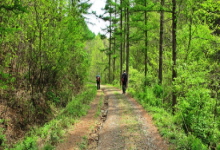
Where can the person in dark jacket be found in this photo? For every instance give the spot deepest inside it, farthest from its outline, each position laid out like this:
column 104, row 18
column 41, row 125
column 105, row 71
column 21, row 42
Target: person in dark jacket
column 124, row 79
column 98, row 81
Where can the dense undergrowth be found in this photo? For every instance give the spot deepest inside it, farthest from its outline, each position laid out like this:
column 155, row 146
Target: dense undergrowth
column 49, row 134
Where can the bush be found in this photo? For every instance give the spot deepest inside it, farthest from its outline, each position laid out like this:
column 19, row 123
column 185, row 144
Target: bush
column 158, row 91
column 169, row 129
column 52, row 97
column 194, row 110
column 28, row 144
column 192, row 143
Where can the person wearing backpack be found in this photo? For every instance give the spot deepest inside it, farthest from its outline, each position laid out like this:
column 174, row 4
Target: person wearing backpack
column 98, row 81
column 124, row 79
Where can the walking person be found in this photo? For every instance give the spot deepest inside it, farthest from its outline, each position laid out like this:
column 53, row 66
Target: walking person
column 98, row 81
column 124, row 79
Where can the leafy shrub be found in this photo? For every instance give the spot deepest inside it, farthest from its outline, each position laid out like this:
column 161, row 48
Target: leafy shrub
column 52, row 97
column 48, row 147
column 28, row 144
column 158, row 91
column 148, row 97
column 169, row 128
column 196, row 114
column 151, row 94
column 193, row 143
column 136, row 80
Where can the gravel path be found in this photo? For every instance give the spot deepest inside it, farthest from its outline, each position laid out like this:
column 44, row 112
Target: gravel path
column 124, row 125
column 128, row 126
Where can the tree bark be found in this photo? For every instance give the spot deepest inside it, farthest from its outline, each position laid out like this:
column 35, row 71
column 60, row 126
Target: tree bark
column 160, row 74
column 110, row 45
column 121, row 42
column 146, row 44
column 114, row 59
column 127, row 43
column 174, row 72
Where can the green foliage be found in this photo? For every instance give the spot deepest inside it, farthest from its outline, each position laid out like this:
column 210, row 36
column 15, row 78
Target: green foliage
column 97, row 59
column 48, row 50
column 148, row 97
column 16, row 7
column 52, row 97
column 151, row 95
column 193, row 143
column 195, row 105
column 80, row 103
column 84, row 143
column 48, row 147
column 28, row 144
column 2, row 136
column 158, row 91
column 169, row 128
column 43, row 58
column 5, row 80
column 136, row 80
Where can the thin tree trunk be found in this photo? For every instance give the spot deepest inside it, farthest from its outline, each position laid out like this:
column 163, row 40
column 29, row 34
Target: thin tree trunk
column 161, row 45
column 114, row 59
column 121, row 44
column 127, row 44
column 174, row 72
column 146, row 45
column 125, row 40
column 110, row 47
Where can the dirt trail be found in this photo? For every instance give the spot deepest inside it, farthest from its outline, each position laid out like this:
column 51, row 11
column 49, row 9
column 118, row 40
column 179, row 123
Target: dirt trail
column 124, row 125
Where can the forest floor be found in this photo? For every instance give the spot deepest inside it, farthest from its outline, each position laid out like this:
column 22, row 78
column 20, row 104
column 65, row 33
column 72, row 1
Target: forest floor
column 122, row 125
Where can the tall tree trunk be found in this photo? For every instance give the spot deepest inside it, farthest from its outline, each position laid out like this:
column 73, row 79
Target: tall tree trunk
column 174, row 72
column 160, row 74
column 110, row 46
column 127, row 43
column 121, row 44
column 124, row 36
column 114, row 59
column 146, row 44
column 39, row 26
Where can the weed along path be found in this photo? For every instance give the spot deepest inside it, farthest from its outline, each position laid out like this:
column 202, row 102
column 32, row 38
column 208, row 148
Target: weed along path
column 114, row 122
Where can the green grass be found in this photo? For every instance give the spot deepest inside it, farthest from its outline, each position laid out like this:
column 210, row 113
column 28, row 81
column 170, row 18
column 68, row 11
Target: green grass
column 83, row 145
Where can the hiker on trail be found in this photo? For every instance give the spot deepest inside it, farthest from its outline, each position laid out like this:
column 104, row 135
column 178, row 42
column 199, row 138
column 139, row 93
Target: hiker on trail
column 98, row 81
column 124, row 79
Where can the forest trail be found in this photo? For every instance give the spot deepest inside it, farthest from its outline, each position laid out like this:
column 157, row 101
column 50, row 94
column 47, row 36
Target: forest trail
column 123, row 125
